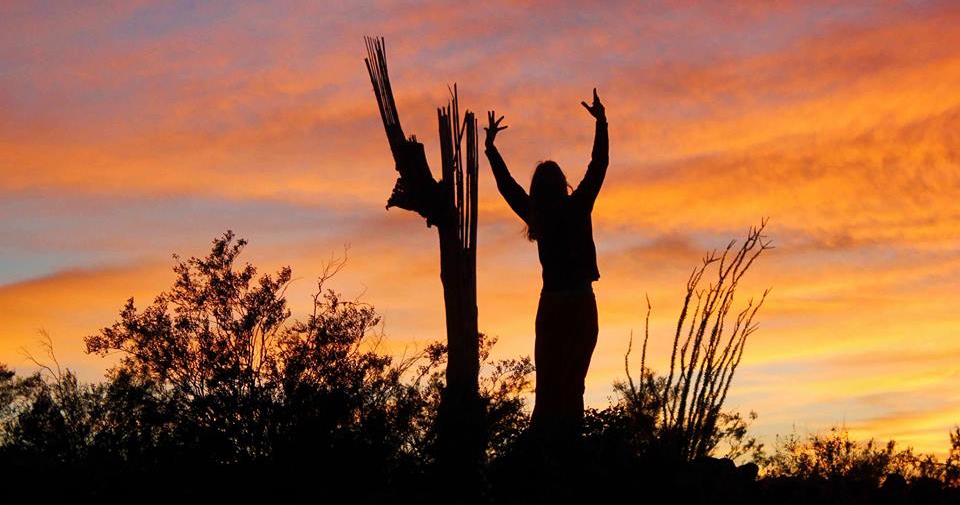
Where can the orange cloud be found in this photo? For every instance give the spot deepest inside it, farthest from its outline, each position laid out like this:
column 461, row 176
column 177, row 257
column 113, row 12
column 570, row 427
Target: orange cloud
column 835, row 119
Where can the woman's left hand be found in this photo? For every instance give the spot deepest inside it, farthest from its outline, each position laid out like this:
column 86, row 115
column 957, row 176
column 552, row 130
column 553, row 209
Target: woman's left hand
column 596, row 110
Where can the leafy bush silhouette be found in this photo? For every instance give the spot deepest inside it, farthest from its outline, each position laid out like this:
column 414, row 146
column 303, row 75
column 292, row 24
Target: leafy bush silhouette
column 214, row 373
column 834, row 455
column 831, row 467
column 208, row 348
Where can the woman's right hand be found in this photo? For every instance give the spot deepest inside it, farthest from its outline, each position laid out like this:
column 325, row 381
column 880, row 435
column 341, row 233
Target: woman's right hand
column 493, row 128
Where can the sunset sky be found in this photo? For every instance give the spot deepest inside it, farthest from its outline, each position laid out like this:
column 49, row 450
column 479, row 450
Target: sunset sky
column 131, row 130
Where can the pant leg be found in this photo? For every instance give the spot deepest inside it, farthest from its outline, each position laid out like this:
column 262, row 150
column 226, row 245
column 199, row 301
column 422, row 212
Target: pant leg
column 584, row 344
column 548, row 364
column 567, row 331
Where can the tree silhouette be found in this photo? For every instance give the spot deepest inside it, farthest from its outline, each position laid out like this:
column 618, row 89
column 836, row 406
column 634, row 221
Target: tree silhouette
column 209, row 344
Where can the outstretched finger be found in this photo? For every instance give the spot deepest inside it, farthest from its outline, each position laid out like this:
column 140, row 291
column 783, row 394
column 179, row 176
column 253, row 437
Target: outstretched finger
column 596, row 98
column 585, row 106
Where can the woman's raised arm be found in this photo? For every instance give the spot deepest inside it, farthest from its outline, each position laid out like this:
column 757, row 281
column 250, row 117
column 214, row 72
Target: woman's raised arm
column 589, row 187
column 512, row 192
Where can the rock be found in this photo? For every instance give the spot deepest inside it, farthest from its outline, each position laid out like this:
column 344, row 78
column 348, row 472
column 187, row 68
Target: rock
column 894, row 483
column 748, row 472
column 926, row 490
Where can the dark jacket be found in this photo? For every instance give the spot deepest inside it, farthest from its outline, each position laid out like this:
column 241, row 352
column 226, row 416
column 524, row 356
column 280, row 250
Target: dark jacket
column 566, row 249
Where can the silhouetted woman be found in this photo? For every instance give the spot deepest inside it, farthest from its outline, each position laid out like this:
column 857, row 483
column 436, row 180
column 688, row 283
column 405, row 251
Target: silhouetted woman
column 559, row 221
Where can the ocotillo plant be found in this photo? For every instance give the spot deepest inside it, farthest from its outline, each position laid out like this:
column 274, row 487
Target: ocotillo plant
column 450, row 204
column 705, row 353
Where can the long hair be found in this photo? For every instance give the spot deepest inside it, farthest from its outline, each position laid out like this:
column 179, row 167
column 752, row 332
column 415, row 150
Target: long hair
column 548, row 191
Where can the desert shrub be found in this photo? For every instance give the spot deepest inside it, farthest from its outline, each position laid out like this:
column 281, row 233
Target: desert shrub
column 833, row 455
column 216, row 372
column 503, row 385
column 679, row 415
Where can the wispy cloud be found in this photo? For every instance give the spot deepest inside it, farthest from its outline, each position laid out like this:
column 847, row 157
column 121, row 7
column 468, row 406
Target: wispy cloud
column 131, row 130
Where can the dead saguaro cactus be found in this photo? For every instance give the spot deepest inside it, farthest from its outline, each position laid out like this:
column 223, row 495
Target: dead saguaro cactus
column 450, row 204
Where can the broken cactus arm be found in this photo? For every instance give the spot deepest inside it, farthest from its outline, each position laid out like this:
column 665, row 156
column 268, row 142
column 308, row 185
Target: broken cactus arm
column 416, row 189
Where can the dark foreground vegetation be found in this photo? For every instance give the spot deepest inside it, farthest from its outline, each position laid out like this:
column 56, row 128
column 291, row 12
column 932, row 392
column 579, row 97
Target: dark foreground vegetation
column 218, row 393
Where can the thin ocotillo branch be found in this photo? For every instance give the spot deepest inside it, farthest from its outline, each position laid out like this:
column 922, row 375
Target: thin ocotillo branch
column 706, row 350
